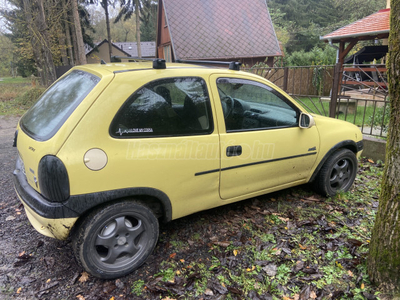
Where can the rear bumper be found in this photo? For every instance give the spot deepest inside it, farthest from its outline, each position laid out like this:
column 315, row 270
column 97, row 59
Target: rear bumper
column 48, row 218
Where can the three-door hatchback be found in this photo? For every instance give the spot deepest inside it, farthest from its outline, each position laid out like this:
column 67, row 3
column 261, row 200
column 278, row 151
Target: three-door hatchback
column 110, row 149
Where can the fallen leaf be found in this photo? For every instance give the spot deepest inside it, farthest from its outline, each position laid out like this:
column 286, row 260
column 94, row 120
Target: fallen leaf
column 208, row 292
column 19, row 290
column 222, row 244
column 362, row 286
column 112, row 298
column 48, row 280
column 350, row 273
column 313, row 295
column 299, row 265
column 251, row 269
column 10, row 218
column 84, row 277
column 371, row 161
column 270, row 269
column 80, row 297
column 235, row 252
column 172, row 255
column 302, row 247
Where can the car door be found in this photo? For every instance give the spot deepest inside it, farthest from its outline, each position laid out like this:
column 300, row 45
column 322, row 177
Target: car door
column 262, row 145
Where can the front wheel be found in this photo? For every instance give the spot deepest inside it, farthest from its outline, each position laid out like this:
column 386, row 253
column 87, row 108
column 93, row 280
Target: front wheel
column 337, row 174
column 115, row 240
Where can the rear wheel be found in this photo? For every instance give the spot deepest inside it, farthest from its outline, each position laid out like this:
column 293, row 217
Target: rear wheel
column 115, row 240
column 337, row 174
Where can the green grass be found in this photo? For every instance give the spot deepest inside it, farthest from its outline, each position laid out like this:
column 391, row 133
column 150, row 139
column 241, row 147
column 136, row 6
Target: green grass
column 362, row 117
column 17, row 95
column 13, row 80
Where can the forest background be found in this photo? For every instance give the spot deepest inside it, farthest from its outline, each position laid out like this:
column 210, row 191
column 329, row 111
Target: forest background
column 298, row 25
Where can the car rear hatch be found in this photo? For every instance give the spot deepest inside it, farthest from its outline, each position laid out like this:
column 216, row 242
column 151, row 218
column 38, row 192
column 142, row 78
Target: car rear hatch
column 46, row 126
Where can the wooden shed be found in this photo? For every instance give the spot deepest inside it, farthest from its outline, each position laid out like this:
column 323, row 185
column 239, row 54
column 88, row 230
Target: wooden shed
column 224, row 30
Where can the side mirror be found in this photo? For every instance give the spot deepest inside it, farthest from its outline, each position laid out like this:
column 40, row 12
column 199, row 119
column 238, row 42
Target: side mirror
column 306, row 121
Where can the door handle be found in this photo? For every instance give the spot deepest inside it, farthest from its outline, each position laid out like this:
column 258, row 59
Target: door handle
column 234, row 150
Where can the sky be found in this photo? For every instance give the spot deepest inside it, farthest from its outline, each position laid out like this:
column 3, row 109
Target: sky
column 4, row 4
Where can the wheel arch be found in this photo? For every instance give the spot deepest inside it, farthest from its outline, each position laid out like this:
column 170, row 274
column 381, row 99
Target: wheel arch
column 347, row 144
column 155, row 199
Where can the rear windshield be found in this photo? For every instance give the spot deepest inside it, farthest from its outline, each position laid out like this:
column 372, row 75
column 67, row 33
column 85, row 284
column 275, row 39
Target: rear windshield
column 49, row 113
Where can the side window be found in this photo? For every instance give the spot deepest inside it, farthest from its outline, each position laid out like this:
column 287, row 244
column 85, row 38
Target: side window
column 165, row 107
column 250, row 105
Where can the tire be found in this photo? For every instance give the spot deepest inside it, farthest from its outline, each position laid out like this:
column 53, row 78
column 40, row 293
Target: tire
column 115, row 240
column 337, row 174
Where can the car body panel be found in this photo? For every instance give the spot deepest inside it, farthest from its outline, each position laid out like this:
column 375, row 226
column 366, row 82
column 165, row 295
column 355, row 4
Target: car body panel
column 32, row 151
column 132, row 162
column 191, row 172
column 264, row 151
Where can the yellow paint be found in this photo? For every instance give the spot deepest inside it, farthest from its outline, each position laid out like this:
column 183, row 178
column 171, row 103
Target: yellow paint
column 169, row 164
column 55, row 228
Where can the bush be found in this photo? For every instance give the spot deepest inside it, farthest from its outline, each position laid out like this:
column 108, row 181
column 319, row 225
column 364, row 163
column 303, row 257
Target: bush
column 28, row 98
column 315, row 57
column 381, row 118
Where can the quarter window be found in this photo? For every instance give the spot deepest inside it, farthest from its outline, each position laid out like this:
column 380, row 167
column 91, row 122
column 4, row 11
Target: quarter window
column 250, row 105
column 54, row 107
column 173, row 106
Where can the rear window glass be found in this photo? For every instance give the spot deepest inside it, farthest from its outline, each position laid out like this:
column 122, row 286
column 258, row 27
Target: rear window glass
column 49, row 113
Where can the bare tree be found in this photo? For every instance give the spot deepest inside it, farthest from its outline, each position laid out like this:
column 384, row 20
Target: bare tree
column 80, row 47
column 40, row 40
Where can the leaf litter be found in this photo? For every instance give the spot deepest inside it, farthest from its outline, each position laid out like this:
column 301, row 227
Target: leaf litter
column 293, row 244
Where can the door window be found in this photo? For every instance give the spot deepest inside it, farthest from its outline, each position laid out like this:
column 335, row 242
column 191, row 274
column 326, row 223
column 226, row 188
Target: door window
column 250, row 105
column 173, row 106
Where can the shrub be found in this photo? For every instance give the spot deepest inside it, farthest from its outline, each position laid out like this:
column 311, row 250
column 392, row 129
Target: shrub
column 28, row 98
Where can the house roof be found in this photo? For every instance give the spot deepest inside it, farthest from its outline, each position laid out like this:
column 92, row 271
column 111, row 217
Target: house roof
column 128, row 48
column 220, row 29
column 148, row 48
column 370, row 26
column 89, row 50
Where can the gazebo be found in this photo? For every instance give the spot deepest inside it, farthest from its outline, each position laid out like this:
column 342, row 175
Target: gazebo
column 372, row 27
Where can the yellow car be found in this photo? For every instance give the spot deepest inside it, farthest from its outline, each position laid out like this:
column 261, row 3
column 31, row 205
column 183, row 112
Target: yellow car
column 110, row 149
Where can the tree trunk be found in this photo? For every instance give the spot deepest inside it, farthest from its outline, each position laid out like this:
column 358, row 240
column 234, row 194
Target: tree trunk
column 34, row 41
column 63, row 48
column 74, row 40
column 81, row 58
column 384, row 252
column 45, row 45
column 137, row 13
column 104, row 4
column 67, row 33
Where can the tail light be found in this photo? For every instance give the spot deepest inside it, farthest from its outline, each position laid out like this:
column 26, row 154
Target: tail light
column 53, row 179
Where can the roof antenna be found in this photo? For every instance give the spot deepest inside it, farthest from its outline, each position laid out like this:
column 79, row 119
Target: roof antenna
column 103, row 62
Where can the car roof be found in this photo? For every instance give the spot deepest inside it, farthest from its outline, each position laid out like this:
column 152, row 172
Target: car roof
column 108, row 68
